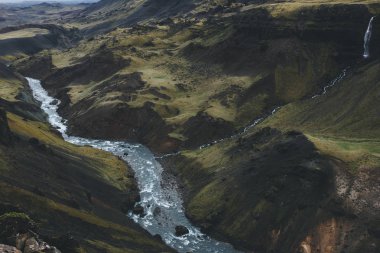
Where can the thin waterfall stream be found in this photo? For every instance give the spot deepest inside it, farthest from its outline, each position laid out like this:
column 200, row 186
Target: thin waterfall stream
column 161, row 201
column 367, row 39
column 331, row 84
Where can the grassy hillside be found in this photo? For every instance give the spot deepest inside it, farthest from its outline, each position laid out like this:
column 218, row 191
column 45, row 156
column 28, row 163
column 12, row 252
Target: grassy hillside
column 215, row 74
column 344, row 121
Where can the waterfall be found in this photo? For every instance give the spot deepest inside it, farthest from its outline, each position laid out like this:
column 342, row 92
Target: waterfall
column 367, row 38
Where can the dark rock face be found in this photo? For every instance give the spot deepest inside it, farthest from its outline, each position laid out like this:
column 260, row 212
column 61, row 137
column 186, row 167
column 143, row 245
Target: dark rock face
column 203, row 128
column 123, row 83
column 139, row 210
column 122, row 122
column 92, row 68
column 5, row 132
column 181, row 231
column 37, row 67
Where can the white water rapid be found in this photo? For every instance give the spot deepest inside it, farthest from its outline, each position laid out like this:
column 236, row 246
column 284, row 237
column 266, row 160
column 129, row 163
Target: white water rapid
column 367, row 38
column 162, row 202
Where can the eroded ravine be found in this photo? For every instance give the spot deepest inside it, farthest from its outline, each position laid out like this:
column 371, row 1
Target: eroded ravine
column 161, row 201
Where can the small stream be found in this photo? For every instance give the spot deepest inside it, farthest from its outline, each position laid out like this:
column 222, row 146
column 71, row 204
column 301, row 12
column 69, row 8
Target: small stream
column 162, row 202
column 257, row 121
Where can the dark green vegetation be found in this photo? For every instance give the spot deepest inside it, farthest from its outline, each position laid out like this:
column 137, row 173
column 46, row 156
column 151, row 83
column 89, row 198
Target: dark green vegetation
column 77, row 197
column 175, row 75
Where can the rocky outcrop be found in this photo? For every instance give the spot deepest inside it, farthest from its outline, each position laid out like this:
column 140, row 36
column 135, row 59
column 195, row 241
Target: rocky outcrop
column 37, row 67
column 203, row 128
column 17, row 230
column 123, row 122
column 181, row 231
column 126, row 83
column 95, row 67
column 30, row 243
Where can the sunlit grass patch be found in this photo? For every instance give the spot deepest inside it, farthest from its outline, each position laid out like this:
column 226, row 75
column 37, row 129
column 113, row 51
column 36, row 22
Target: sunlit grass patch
column 23, row 33
column 108, row 166
column 10, row 89
column 358, row 153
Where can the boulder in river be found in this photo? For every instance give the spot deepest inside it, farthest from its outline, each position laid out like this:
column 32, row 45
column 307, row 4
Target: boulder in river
column 31, row 245
column 54, row 102
column 157, row 211
column 181, row 231
column 139, row 210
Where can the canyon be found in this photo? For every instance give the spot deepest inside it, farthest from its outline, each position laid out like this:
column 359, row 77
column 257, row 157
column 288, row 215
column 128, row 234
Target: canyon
column 257, row 120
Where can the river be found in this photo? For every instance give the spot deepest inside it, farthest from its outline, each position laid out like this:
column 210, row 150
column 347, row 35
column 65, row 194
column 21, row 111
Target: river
column 161, row 201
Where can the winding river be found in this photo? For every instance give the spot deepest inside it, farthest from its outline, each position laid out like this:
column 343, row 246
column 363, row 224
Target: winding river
column 162, row 203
